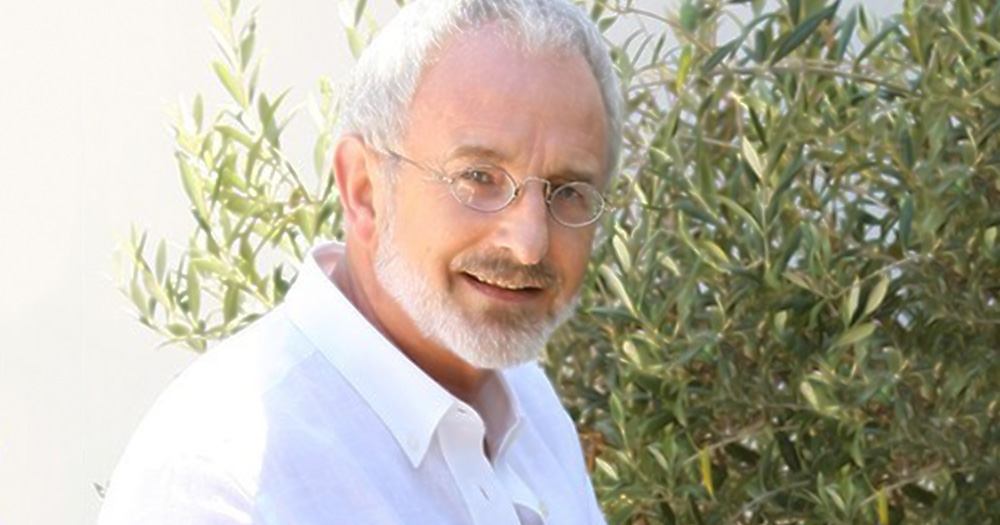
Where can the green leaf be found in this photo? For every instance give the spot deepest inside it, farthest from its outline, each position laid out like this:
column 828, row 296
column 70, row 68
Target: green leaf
column 877, row 294
column 320, row 156
column 810, row 394
column 742, row 212
column 161, row 260
column 306, row 221
column 882, row 502
column 246, row 48
column 854, row 335
column 683, row 67
column 602, row 465
column 906, row 221
column 617, row 287
column 210, row 266
column 355, row 41
column 689, row 16
column 138, row 299
column 359, row 11
column 615, row 405
column 622, row 253
column 849, row 306
column 717, row 255
column 795, row 10
column 178, row 330
column 266, row 113
column 193, row 293
column 192, row 186
column 232, row 133
column 874, row 43
column 231, row 303
column 758, row 127
column 198, row 112
column 750, row 155
column 597, row 10
column 670, row 264
column 232, row 85
column 628, row 348
column 845, row 34
column 720, row 54
column 705, row 466
column 787, row 250
column 606, row 23
column 799, row 281
column 803, row 31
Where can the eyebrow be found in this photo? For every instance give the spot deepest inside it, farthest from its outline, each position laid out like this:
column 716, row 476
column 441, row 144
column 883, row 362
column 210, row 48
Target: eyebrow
column 476, row 151
column 488, row 154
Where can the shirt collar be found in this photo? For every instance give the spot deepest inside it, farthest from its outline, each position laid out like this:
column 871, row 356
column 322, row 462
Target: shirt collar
column 406, row 399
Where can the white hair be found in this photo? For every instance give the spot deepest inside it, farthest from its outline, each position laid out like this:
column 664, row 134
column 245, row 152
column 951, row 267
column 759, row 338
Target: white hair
column 378, row 95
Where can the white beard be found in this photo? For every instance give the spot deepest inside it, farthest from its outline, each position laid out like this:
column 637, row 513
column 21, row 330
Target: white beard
column 482, row 340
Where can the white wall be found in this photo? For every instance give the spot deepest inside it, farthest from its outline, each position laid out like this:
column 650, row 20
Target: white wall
column 85, row 87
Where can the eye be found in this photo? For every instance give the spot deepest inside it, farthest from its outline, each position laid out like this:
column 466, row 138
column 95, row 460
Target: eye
column 482, row 177
column 574, row 192
column 567, row 193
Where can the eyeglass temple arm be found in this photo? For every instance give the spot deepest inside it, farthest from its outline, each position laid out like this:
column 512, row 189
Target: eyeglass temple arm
column 397, row 157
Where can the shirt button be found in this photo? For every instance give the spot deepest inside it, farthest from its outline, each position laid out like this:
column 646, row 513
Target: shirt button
column 484, row 493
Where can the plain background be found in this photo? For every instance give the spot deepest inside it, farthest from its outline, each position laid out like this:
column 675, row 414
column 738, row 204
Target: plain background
column 85, row 92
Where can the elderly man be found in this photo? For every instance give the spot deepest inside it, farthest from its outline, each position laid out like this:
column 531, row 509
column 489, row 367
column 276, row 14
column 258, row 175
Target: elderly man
column 398, row 383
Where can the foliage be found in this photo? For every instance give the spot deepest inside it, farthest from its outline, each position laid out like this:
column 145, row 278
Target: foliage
column 796, row 320
column 255, row 218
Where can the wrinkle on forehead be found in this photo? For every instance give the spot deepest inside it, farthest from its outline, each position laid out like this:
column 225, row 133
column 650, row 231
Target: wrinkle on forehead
column 479, row 75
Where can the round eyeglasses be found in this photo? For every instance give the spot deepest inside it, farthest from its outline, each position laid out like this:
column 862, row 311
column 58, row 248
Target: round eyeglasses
column 490, row 189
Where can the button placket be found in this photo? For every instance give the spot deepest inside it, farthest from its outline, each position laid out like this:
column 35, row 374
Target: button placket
column 461, row 436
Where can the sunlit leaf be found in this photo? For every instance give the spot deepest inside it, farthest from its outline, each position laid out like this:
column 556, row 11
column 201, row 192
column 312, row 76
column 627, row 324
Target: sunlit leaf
column 705, row 464
column 854, row 335
column 877, row 294
column 231, row 83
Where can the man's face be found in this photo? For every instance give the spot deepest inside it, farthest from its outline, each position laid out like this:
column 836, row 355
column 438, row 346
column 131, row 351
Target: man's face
column 492, row 287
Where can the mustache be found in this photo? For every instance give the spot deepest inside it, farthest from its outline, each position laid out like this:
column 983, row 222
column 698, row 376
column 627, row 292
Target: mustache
column 497, row 266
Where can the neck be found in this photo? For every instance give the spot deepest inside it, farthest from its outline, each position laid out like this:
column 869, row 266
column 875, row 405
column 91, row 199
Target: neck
column 361, row 288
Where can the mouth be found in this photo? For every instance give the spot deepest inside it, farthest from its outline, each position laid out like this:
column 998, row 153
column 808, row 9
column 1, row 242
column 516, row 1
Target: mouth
column 503, row 290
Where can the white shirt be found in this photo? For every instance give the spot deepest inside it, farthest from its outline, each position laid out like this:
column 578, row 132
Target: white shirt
column 310, row 416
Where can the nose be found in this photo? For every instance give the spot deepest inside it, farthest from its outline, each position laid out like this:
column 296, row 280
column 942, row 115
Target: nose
column 524, row 227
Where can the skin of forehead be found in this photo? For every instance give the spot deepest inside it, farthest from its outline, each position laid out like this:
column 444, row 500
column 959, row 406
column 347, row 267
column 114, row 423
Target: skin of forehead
column 478, row 53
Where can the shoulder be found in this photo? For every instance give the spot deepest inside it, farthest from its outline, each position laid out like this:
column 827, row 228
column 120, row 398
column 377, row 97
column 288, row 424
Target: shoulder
column 203, row 438
column 219, row 394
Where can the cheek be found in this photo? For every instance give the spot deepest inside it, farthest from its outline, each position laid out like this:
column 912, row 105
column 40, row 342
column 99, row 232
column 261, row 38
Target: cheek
column 435, row 231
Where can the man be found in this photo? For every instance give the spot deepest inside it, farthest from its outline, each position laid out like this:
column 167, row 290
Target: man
column 397, row 382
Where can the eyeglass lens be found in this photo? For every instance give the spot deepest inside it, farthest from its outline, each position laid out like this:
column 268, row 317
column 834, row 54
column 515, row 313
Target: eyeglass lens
column 489, row 190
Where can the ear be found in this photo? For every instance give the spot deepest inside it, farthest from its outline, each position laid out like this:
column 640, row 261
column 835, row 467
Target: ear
column 354, row 169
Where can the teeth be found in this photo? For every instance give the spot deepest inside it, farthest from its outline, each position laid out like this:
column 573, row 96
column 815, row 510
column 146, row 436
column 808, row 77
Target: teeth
column 499, row 284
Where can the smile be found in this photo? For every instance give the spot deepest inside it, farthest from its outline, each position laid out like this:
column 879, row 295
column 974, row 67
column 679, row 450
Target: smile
column 502, row 290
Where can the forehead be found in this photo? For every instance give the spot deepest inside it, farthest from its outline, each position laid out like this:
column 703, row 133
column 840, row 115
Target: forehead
column 533, row 110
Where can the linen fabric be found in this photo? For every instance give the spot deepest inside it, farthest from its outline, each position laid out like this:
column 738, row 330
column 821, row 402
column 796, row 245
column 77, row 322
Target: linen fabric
column 311, row 416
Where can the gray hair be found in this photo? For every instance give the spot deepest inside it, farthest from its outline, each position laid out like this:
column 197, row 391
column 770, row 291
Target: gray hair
column 378, row 96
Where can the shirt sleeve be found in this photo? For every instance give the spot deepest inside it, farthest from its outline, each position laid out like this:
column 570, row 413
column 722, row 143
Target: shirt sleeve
column 191, row 490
